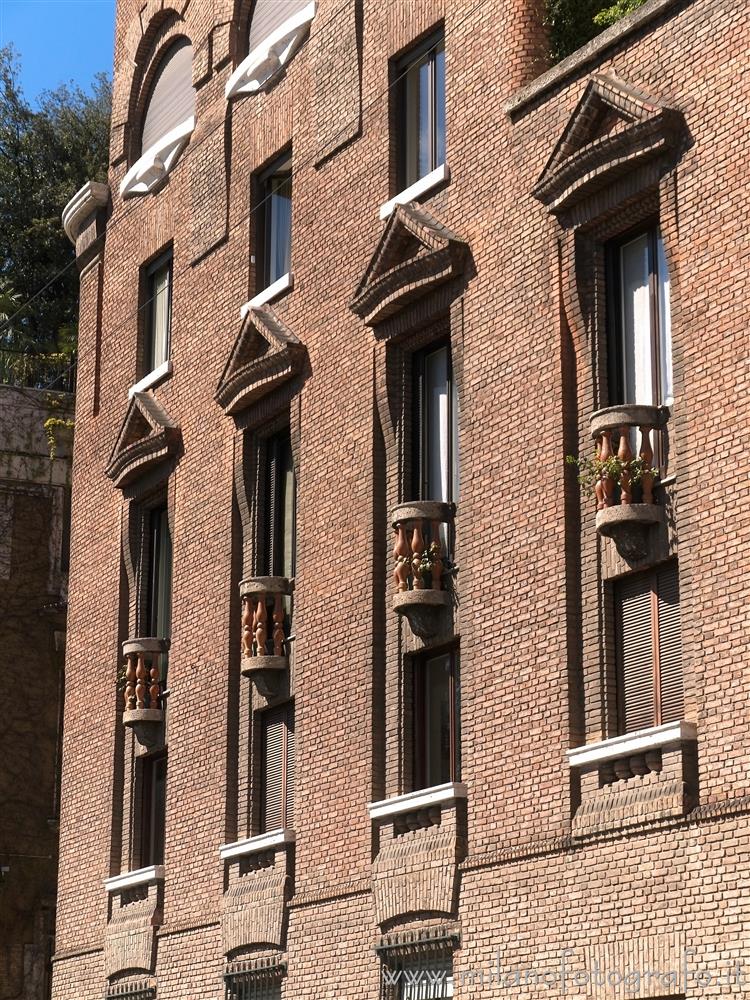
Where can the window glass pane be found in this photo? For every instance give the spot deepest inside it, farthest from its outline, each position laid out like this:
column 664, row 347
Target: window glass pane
column 159, row 809
column 411, row 127
column 161, row 575
column 665, row 323
column 425, row 118
column 437, row 432
column 454, row 439
column 439, row 104
column 159, row 294
column 278, row 236
column 286, row 511
column 437, row 716
column 636, row 321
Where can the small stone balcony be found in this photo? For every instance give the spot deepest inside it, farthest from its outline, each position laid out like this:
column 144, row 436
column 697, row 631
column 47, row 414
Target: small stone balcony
column 145, row 668
column 423, row 559
column 266, row 623
column 626, row 508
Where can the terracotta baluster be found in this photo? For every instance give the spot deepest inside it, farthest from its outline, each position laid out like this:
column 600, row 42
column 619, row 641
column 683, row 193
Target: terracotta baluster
column 261, row 632
column 278, row 626
column 153, row 691
column 647, row 457
column 625, row 455
column 130, row 678
column 401, row 557
column 248, row 626
column 608, row 486
column 437, row 557
column 417, row 548
column 598, row 488
column 140, row 686
column 253, row 651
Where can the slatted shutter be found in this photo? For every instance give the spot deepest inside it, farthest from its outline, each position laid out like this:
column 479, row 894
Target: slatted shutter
column 635, row 652
column 172, row 98
column 277, row 777
column 268, row 15
column 670, row 645
column 649, row 652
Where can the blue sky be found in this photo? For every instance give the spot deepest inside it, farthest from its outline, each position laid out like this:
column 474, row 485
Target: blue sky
column 58, row 40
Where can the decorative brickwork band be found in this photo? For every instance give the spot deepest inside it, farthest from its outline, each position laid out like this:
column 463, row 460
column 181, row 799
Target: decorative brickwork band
column 416, row 873
column 253, row 910
column 662, row 953
column 139, row 989
column 129, row 941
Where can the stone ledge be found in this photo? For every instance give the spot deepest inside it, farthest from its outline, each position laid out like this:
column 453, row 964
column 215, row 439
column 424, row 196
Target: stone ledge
column 672, row 733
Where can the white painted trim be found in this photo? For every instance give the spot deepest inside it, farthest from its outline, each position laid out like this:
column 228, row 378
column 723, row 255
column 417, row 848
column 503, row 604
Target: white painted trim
column 154, row 165
column 254, row 845
column 128, row 880
column 282, row 284
column 86, row 200
column 425, row 797
column 153, row 378
column 671, row 733
column 420, row 187
column 267, row 60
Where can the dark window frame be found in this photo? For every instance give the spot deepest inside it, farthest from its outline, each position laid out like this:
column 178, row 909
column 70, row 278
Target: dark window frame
column 420, row 762
column 420, row 429
column 272, row 528
column 263, row 217
column 153, row 812
column 401, row 66
column 150, row 270
column 153, row 526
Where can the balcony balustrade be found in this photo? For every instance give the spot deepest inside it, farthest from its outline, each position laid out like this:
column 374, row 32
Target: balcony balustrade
column 265, row 623
column 423, row 532
column 145, row 669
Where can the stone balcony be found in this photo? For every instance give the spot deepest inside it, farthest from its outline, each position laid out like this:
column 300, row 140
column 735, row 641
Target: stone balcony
column 627, row 508
column 422, row 554
column 145, row 669
column 266, row 626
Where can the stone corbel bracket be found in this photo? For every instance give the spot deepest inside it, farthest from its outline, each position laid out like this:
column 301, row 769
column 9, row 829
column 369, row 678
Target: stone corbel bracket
column 415, row 254
column 151, row 169
column 84, row 217
column 261, row 67
column 148, row 437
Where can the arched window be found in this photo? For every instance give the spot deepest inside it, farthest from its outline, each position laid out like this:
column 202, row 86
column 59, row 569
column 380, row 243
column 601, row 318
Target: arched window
column 172, row 98
column 168, row 120
column 268, row 16
column 276, row 30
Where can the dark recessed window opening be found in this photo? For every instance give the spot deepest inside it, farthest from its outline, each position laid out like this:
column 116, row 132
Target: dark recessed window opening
column 437, row 719
column 158, row 311
column 649, row 649
column 280, row 501
column 639, row 312
column 277, row 768
column 153, row 808
column 421, row 110
column 159, row 606
column 435, row 460
column 274, row 251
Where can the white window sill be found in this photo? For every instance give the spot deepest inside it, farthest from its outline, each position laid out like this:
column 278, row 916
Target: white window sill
column 282, row 284
column 152, row 379
column 416, row 190
column 154, row 165
column 266, row 61
column 422, row 799
column 670, row 734
column 129, row 880
column 254, row 845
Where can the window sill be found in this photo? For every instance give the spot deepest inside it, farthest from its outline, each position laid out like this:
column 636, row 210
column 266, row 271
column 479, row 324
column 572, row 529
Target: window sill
column 129, row 880
column 152, row 379
column 254, row 845
column 420, row 187
column 273, row 291
column 266, row 61
column 151, row 169
column 422, row 799
column 657, row 737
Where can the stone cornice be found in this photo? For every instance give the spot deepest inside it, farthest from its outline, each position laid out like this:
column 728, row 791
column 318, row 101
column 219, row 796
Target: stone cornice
column 147, row 437
column 84, row 203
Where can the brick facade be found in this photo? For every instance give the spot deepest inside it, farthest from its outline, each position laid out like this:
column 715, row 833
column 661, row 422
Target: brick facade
column 531, row 861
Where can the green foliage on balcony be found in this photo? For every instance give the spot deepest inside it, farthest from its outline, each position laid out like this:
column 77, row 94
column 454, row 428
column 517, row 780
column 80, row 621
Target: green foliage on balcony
column 572, row 23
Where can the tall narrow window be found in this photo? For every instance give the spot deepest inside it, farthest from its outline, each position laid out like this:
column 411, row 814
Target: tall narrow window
column 421, row 98
column 280, row 497
column 158, row 310
column 437, row 719
column 160, row 575
column 277, row 768
column 649, row 651
column 640, row 312
column 153, row 808
column 435, row 425
column 274, row 255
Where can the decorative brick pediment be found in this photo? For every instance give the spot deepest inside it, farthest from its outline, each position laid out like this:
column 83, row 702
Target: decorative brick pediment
column 613, row 130
column 148, row 436
column 416, row 253
column 266, row 354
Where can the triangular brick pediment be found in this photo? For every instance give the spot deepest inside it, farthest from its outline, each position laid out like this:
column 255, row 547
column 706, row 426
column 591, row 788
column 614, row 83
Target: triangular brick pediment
column 266, row 354
column 415, row 254
column 614, row 129
column 148, row 436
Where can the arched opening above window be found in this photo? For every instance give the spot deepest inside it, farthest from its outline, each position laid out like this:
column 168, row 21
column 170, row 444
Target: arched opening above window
column 276, row 30
column 168, row 120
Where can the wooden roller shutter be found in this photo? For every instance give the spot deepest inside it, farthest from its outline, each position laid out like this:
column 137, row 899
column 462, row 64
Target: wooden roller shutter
column 670, row 645
column 268, row 15
column 172, row 98
column 277, row 778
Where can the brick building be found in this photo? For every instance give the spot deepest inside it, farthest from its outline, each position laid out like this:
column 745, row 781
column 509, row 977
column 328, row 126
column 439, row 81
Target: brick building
column 34, row 549
column 341, row 245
